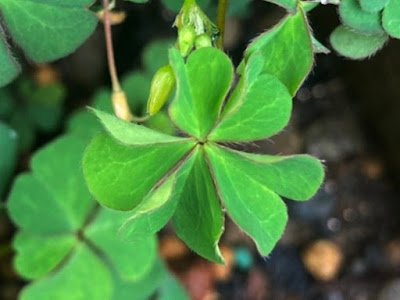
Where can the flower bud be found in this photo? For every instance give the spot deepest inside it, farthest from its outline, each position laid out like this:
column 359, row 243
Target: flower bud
column 186, row 36
column 202, row 40
column 161, row 87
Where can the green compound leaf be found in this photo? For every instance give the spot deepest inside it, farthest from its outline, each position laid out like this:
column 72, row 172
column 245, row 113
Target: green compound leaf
column 258, row 109
column 8, row 157
column 356, row 45
column 287, row 49
column 87, row 270
column 157, row 207
column 391, row 18
column 290, row 5
column 353, row 16
column 61, row 190
column 103, row 233
column 198, row 219
column 202, row 84
column 296, row 177
column 120, row 176
column 250, row 203
column 38, row 255
column 8, row 66
column 47, row 30
column 373, row 5
column 132, row 134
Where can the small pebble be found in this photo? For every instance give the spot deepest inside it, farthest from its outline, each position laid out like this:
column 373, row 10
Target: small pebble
column 323, row 260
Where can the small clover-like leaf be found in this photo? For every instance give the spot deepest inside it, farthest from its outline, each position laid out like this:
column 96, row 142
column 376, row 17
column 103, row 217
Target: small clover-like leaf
column 46, row 30
column 373, row 5
column 259, row 108
column 355, row 44
column 72, row 248
column 353, row 16
column 103, row 233
column 60, row 189
column 391, row 18
column 38, row 255
column 199, row 211
column 84, row 276
column 202, row 84
column 287, row 49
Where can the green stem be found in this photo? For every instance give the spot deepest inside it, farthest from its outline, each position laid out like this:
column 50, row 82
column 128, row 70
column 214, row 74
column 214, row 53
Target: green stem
column 221, row 13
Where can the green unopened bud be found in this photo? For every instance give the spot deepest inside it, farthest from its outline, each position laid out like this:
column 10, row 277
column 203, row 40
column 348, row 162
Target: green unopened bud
column 186, row 36
column 162, row 85
column 202, row 40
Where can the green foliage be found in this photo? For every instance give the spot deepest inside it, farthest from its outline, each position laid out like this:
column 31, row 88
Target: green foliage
column 45, row 30
column 367, row 26
column 290, row 5
column 290, row 39
column 67, row 244
column 39, row 109
column 8, row 157
column 354, row 44
column 161, row 176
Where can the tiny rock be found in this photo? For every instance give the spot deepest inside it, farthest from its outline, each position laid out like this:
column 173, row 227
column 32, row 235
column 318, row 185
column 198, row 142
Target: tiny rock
column 323, row 260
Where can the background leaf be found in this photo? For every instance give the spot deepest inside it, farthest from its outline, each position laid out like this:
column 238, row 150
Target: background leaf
column 391, row 18
column 8, row 157
column 47, row 31
column 38, row 255
column 353, row 16
column 354, row 44
column 102, row 232
column 84, row 265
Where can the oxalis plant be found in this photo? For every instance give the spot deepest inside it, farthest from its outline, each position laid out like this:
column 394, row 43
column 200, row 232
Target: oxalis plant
column 87, row 222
